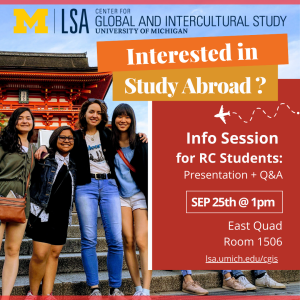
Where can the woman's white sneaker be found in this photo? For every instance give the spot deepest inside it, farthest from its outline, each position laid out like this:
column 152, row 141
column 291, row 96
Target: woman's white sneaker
column 244, row 282
column 138, row 293
column 96, row 292
column 29, row 296
column 116, row 292
column 267, row 281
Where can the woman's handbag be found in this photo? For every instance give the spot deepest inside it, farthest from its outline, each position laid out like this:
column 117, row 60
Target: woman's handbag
column 13, row 209
column 127, row 163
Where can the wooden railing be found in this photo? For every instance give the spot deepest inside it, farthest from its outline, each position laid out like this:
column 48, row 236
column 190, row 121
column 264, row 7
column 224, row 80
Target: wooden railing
column 38, row 107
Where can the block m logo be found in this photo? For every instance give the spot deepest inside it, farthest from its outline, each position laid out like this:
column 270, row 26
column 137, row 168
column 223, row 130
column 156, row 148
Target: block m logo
column 22, row 17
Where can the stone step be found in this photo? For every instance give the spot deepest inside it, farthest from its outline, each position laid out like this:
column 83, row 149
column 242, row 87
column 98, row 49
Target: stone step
column 75, row 283
column 67, row 263
column 292, row 289
column 75, row 220
column 162, row 281
column 72, row 246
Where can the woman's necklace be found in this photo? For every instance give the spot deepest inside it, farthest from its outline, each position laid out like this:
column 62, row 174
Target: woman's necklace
column 93, row 136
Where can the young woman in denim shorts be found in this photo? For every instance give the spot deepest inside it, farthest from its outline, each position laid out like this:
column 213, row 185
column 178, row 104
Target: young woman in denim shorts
column 133, row 188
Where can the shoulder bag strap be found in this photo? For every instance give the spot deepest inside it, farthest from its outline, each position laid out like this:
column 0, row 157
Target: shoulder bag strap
column 28, row 178
column 120, row 152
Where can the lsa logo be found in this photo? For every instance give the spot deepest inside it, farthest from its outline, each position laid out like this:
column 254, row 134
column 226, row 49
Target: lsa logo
column 38, row 17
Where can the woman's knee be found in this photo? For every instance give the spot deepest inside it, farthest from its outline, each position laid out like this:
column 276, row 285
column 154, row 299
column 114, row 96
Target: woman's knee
column 115, row 244
column 129, row 242
column 142, row 242
column 88, row 235
column 12, row 250
column 114, row 238
column 54, row 253
column 88, row 242
column 39, row 257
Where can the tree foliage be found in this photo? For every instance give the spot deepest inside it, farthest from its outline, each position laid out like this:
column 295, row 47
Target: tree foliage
column 3, row 120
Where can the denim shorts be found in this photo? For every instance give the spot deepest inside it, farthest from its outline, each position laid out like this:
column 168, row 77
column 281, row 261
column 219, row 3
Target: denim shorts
column 137, row 201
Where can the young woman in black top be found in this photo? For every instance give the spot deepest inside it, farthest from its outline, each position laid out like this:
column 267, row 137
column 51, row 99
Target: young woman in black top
column 52, row 194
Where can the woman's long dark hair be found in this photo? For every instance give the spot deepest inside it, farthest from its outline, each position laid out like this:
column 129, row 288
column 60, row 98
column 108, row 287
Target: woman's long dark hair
column 123, row 109
column 9, row 137
column 82, row 124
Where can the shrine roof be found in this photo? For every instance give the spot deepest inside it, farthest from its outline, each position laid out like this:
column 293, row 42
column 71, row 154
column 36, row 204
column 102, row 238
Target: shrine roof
column 65, row 62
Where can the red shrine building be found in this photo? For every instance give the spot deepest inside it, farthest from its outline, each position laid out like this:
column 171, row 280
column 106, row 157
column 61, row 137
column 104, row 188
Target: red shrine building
column 52, row 85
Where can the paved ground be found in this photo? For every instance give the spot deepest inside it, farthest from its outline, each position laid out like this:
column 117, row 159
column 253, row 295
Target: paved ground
column 292, row 289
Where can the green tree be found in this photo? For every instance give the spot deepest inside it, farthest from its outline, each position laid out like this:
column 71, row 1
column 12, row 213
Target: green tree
column 3, row 120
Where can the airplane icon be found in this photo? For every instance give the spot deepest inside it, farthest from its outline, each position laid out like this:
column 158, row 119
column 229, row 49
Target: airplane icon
column 222, row 115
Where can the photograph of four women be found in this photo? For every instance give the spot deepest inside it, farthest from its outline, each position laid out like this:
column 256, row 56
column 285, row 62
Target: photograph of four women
column 90, row 167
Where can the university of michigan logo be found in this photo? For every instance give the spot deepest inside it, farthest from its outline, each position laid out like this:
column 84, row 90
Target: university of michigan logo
column 38, row 17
